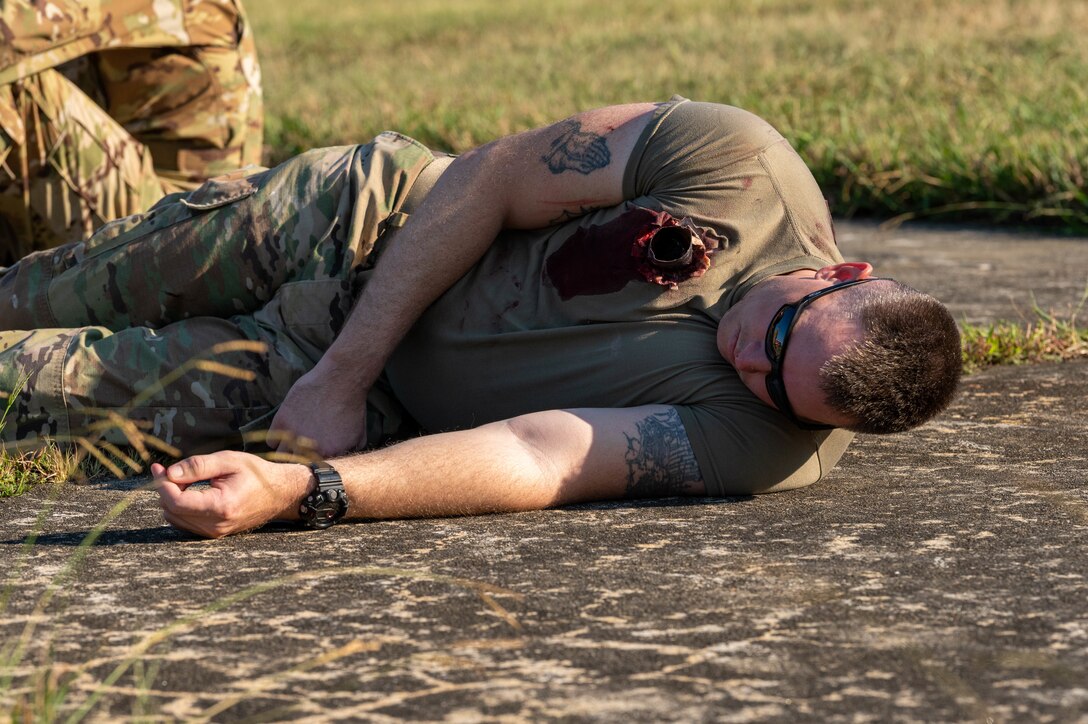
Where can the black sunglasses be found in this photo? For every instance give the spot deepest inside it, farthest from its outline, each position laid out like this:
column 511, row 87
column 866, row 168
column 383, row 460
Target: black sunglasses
column 778, row 337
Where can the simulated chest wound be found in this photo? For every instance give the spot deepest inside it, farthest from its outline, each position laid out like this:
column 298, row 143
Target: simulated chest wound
column 640, row 245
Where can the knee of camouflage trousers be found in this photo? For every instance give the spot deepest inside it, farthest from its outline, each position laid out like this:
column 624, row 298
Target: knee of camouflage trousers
column 175, row 83
column 273, row 258
column 77, row 168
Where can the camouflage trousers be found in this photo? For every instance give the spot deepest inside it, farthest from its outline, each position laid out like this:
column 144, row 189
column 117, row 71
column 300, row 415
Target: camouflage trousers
column 108, row 105
column 185, row 326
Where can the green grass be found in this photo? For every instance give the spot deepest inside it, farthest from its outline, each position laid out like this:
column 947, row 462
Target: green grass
column 947, row 108
column 21, row 472
column 1048, row 339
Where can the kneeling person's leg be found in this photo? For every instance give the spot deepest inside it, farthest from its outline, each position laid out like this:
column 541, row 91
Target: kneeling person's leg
column 79, row 169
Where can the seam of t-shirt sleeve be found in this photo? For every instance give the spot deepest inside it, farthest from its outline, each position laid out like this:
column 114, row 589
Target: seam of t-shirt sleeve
column 827, row 466
column 637, row 156
column 711, row 476
column 630, row 173
column 781, row 197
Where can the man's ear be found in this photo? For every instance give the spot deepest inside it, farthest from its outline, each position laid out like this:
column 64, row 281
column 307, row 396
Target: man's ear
column 847, row 271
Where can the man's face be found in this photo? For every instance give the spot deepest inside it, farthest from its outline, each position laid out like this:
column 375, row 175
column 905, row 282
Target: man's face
column 820, row 332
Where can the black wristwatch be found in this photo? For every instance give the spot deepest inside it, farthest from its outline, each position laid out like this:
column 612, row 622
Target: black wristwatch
column 328, row 502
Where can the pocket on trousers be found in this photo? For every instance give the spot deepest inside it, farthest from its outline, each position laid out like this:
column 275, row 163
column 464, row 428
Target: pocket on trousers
column 223, row 190
column 314, row 311
column 175, row 209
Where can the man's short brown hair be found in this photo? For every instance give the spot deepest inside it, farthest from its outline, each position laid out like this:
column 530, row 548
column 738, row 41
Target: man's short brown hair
column 908, row 366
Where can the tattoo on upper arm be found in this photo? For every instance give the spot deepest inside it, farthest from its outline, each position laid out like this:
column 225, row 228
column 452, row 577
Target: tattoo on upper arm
column 577, row 150
column 660, row 461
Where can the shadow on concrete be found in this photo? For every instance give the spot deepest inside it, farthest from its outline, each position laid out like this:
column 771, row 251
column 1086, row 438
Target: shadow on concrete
column 143, row 536
column 657, row 503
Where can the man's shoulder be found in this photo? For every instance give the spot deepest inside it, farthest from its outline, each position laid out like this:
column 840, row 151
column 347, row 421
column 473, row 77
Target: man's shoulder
column 710, row 125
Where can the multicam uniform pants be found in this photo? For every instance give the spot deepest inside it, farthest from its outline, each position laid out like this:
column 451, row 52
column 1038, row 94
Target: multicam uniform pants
column 195, row 318
column 107, row 105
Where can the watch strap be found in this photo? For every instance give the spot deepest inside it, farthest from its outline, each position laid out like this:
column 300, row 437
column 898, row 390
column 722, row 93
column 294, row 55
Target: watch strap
column 326, row 476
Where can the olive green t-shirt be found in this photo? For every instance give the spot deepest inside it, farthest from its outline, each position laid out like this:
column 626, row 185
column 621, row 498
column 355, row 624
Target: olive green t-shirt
column 573, row 316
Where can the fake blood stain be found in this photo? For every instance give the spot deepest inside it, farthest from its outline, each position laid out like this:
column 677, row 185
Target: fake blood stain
column 596, row 260
column 602, row 259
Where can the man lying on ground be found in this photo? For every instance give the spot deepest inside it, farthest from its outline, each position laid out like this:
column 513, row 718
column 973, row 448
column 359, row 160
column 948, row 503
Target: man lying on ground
column 639, row 301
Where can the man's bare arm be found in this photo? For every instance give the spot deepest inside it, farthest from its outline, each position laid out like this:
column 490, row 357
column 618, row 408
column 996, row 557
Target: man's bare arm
column 539, row 460
column 528, row 180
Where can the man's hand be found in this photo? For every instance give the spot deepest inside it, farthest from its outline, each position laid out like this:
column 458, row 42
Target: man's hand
column 320, row 417
column 245, row 492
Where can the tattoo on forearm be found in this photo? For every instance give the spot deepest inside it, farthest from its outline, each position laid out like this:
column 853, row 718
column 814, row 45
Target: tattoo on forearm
column 660, row 461
column 577, row 150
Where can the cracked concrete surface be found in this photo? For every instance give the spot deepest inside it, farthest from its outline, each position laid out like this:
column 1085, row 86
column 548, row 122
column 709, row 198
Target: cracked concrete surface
column 938, row 575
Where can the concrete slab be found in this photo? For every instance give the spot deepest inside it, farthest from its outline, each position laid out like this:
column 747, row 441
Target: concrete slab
column 939, row 575
column 981, row 274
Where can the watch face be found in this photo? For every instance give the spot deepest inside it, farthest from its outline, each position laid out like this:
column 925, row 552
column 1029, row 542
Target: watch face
column 321, row 510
